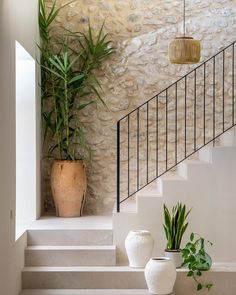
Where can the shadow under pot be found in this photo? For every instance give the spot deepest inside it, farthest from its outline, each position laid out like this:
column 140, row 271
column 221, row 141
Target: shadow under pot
column 69, row 184
column 139, row 246
column 175, row 256
column 160, row 275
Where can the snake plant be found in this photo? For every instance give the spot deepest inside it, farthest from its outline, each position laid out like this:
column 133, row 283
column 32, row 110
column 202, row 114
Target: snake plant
column 175, row 225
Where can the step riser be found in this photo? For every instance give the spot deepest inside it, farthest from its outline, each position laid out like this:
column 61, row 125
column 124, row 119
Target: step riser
column 104, row 257
column 70, row 237
column 223, row 282
column 83, row 280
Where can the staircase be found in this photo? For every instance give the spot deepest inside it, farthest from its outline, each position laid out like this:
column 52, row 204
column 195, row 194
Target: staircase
column 65, row 261
column 205, row 183
column 178, row 146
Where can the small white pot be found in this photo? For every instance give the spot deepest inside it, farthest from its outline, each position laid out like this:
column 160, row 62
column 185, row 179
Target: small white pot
column 160, row 275
column 139, row 246
column 175, row 256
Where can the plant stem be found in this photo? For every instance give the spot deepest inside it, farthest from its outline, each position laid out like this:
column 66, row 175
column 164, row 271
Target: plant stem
column 56, row 119
column 67, row 112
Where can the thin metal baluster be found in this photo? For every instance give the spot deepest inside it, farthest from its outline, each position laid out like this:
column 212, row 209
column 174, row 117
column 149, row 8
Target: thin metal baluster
column 176, row 122
column 214, row 66
column 223, row 89
column 157, row 142
column 195, row 110
column 166, row 129
column 147, row 139
column 128, row 153
column 118, row 168
column 138, row 149
column 204, row 107
column 185, row 117
column 233, row 86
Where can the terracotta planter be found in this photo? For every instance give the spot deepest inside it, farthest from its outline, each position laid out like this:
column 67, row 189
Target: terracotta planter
column 68, row 183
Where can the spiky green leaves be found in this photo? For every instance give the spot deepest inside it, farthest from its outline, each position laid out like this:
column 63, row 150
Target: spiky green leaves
column 175, row 225
column 68, row 81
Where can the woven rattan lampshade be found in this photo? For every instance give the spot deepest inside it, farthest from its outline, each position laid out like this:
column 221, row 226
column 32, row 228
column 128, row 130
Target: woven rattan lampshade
column 184, row 50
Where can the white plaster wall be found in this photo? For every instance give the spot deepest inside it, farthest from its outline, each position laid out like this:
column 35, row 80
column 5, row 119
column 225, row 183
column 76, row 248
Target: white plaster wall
column 18, row 21
column 25, row 140
column 208, row 188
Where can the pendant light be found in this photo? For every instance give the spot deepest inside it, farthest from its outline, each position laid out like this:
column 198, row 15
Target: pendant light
column 184, row 50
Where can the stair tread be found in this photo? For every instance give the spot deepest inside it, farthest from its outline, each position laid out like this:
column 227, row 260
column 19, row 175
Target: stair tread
column 194, row 161
column 84, row 247
column 149, row 192
column 172, row 176
column 83, row 268
column 216, row 267
column 84, row 223
column 86, row 292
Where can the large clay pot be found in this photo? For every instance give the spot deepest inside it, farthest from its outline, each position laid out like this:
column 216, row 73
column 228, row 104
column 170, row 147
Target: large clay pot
column 139, row 246
column 160, row 275
column 68, row 183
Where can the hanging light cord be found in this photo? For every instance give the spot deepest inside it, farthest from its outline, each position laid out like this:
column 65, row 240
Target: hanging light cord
column 184, row 29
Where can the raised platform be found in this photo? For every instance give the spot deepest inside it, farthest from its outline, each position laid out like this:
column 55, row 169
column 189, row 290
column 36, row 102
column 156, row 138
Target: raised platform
column 85, row 292
column 84, row 222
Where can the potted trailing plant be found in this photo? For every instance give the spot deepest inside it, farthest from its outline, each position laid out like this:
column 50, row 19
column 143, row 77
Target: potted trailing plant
column 69, row 85
column 197, row 260
column 175, row 226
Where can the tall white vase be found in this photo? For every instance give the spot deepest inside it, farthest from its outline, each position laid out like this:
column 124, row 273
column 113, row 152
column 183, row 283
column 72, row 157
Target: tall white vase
column 160, row 275
column 139, row 246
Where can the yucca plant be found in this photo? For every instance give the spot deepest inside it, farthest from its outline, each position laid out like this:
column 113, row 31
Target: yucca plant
column 69, row 61
column 175, row 225
column 69, row 83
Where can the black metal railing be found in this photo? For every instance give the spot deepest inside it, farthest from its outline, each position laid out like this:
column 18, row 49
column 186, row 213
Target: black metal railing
column 176, row 123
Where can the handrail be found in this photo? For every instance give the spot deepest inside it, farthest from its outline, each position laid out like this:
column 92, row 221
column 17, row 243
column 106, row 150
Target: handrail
column 190, row 72
column 187, row 79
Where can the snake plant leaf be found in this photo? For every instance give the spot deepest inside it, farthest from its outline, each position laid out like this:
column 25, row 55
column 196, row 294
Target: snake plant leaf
column 175, row 225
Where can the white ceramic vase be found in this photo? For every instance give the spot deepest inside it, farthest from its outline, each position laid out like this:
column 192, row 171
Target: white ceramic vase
column 160, row 275
column 175, row 256
column 139, row 246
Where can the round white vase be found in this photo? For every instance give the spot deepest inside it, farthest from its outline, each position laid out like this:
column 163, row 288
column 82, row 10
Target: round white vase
column 175, row 256
column 160, row 275
column 139, row 246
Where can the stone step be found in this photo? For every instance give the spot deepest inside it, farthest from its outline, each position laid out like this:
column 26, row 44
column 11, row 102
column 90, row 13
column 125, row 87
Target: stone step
column 70, row 256
column 119, row 278
column 73, row 237
column 86, row 292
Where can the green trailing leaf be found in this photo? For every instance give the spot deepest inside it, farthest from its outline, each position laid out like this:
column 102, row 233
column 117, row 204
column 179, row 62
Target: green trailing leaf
column 175, row 225
column 69, row 83
column 197, row 260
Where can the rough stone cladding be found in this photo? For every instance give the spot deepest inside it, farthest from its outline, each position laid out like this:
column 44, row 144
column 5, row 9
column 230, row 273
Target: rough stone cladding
column 141, row 30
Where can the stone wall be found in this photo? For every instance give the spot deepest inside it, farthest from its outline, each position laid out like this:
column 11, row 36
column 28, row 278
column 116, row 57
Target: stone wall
column 141, row 30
